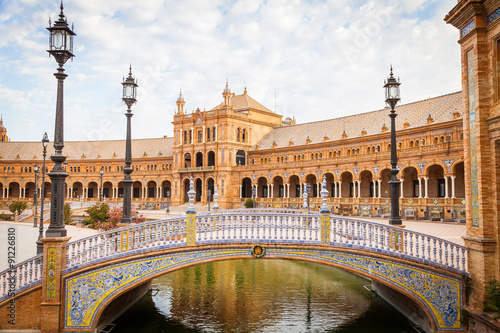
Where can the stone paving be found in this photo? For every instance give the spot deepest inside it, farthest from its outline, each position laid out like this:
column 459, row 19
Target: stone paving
column 26, row 234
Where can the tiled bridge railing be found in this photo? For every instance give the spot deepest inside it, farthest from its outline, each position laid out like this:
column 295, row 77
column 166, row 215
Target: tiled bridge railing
column 247, row 226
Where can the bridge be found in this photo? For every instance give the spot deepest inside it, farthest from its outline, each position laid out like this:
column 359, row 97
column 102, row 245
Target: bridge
column 68, row 287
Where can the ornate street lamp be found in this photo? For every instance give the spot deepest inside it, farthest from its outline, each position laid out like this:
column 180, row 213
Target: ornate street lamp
column 308, row 191
column 36, row 169
column 129, row 97
column 101, row 172
column 168, row 202
column 392, row 97
column 209, row 194
column 61, row 48
column 39, row 244
column 254, row 192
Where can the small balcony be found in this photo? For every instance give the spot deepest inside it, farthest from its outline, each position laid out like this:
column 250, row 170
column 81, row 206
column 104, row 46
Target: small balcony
column 205, row 168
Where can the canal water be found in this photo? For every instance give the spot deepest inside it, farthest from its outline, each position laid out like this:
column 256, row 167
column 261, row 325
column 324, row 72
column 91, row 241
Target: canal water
column 261, row 296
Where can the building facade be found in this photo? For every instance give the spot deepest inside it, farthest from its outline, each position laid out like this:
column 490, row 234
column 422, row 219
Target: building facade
column 478, row 23
column 244, row 147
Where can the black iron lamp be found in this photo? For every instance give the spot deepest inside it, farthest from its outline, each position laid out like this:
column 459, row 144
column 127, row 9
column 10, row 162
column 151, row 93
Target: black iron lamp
column 61, row 48
column 129, row 97
column 392, row 97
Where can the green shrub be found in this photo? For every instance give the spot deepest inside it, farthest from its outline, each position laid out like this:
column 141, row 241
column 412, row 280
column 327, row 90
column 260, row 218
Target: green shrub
column 5, row 217
column 97, row 213
column 249, row 203
column 17, row 207
column 493, row 296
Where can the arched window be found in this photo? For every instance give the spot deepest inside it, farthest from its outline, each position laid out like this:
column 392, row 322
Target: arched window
column 238, row 134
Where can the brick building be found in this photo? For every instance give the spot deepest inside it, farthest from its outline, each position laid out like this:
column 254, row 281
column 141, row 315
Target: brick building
column 240, row 144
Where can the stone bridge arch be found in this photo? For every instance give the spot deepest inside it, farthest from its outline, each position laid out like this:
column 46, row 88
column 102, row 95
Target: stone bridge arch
column 89, row 291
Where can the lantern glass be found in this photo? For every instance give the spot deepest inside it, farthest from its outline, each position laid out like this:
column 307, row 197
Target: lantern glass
column 57, row 40
column 45, row 140
column 36, row 168
column 128, row 90
column 392, row 91
column 69, row 42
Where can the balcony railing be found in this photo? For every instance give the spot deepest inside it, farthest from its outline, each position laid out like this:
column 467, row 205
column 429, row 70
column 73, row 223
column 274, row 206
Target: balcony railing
column 205, row 168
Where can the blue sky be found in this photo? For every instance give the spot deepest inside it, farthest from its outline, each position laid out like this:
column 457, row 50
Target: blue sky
column 324, row 59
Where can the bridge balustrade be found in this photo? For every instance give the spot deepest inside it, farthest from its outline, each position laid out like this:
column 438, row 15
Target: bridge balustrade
column 22, row 276
column 283, row 226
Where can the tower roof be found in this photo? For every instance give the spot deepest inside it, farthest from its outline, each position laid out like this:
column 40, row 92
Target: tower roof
column 243, row 102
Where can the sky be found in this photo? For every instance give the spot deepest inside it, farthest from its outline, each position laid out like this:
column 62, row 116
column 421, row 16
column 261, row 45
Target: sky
column 312, row 60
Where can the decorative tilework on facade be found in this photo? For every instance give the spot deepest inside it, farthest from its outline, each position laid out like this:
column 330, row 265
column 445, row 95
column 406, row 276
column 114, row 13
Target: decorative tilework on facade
column 473, row 139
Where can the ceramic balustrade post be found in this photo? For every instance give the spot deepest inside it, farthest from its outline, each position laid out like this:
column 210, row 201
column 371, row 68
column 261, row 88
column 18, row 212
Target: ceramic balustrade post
column 325, row 215
column 191, row 216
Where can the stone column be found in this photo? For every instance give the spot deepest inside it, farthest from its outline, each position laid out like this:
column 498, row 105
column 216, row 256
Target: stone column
column 401, row 189
column 419, row 188
column 426, row 179
column 318, row 190
column 446, row 187
column 287, row 191
column 453, row 187
column 272, row 191
column 359, row 188
column 340, row 189
column 379, row 188
column 241, row 191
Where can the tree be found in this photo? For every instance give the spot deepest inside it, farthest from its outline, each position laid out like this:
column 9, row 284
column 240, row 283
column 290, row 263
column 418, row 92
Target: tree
column 67, row 213
column 17, row 207
column 115, row 217
column 249, row 203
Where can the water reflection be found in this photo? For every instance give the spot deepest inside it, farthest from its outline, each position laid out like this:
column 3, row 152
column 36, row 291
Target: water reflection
column 261, row 296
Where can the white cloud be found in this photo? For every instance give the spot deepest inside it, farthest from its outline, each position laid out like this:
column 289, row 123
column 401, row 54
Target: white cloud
column 324, row 58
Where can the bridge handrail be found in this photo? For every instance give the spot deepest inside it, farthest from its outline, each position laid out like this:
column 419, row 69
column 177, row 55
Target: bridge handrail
column 169, row 232
column 344, row 232
column 406, row 243
column 21, row 276
column 246, row 226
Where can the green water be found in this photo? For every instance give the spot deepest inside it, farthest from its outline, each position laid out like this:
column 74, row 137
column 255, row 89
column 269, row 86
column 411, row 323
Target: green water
column 259, row 295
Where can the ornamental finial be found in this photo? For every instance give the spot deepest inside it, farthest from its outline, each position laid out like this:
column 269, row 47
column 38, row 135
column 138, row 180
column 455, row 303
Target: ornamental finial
column 216, row 198
column 191, row 193
column 324, row 195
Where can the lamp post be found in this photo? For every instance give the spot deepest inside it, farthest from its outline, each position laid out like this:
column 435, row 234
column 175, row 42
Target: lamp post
column 36, row 169
column 61, row 48
column 168, row 202
column 209, row 194
column 39, row 244
column 129, row 97
column 254, row 192
column 101, row 172
column 392, row 97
